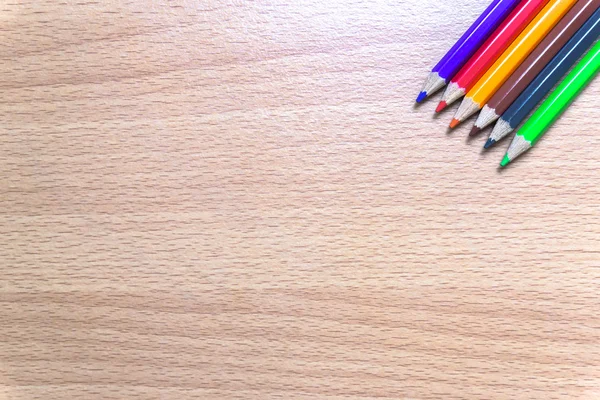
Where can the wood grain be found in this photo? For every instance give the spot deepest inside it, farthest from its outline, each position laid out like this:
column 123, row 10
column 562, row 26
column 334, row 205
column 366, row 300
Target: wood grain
column 238, row 200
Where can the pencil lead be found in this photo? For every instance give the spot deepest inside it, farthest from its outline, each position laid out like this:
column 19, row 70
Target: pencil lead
column 474, row 131
column 421, row 97
column 505, row 161
column 454, row 123
column 490, row 142
column 441, row 106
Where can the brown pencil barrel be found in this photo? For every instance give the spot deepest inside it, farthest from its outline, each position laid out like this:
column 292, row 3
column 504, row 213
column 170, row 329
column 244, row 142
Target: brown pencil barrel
column 542, row 55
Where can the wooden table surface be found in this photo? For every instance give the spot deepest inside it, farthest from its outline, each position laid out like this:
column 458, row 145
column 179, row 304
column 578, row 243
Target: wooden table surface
column 238, row 200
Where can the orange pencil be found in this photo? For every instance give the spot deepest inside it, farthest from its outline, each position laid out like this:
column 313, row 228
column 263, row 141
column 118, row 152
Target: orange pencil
column 491, row 50
column 510, row 60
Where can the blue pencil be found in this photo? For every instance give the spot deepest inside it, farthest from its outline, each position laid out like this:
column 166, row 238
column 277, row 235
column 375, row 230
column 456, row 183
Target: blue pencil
column 547, row 78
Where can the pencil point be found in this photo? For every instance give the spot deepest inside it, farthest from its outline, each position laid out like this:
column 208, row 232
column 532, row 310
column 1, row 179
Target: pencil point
column 454, row 123
column 467, row 108
column 421, row 97
column 441, row 106
column 505, row 161
column 490, row 142
column 474, row 131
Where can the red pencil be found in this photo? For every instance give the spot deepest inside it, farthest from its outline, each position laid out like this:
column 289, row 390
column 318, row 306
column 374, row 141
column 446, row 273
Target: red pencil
column 491, row 50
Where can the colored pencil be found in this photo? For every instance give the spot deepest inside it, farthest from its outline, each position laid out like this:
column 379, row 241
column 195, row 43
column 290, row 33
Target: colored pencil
column 493, row 48
column 545, row 81
column 466, row 46
column 555, row 105
column 534, row 64
column 508, row 62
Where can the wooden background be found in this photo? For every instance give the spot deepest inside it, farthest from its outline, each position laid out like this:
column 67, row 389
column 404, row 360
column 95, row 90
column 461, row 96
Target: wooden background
column 238, row 200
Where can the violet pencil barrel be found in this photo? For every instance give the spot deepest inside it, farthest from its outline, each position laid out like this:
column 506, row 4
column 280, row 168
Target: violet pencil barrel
column 467, row 45
column 478, row 33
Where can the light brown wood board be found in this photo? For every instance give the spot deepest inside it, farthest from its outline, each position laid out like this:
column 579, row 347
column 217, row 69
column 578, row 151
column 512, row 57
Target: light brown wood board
column 239, row 200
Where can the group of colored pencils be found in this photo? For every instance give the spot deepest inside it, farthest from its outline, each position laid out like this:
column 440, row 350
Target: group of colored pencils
column 512, row 56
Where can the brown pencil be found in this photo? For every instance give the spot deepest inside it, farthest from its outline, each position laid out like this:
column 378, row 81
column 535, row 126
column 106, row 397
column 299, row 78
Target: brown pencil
column 534, row 63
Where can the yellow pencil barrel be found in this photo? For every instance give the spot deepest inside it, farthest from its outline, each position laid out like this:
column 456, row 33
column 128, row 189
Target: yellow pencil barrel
column 518, row 51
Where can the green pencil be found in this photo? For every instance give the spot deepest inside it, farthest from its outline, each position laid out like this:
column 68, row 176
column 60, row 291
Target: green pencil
column 555, row 105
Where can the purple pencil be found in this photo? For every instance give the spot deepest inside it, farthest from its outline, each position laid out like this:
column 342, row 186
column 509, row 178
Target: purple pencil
column 466, row 46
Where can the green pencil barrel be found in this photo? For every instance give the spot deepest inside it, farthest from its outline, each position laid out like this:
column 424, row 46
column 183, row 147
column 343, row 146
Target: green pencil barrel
column 563, row 96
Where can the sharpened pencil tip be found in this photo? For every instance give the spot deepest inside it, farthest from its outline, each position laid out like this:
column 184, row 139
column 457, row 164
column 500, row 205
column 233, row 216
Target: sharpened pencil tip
column 474, row 131
column 505, row 161
column 490, row 142
column 454, row 123
column 421, row 97
column 441, row 106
